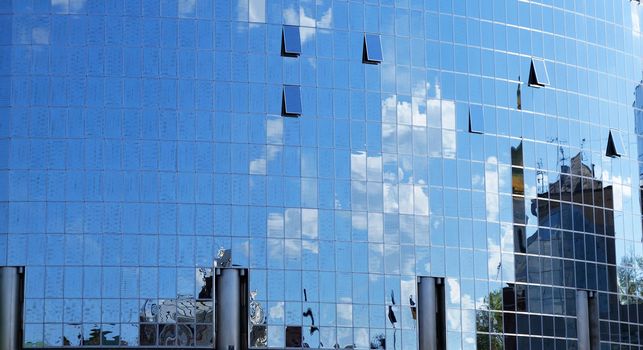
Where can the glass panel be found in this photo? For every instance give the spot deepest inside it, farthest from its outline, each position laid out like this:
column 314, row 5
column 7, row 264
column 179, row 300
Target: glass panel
column 291, row 42
column 476, row 119
column 292, row 100
column 293, row 336
column 538, row 74
column 258, row 336
column 372, row 48
column 615, row 146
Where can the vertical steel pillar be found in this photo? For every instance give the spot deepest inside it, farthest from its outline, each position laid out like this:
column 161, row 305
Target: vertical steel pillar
column 11, row 295
column 231, row 320
column 582, row 320
column 594, row 330
column 427, row 311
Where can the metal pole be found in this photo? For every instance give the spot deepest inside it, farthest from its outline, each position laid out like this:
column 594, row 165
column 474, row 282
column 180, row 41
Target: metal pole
column 594, row 330
column 427, row 314
column 582, row 320
column 228, row 305
column 11, row 308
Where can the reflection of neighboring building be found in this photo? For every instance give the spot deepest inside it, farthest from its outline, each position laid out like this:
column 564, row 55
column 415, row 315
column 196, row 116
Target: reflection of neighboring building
column 572, row 248
column 638, row 127
column 638, row 120
column 575, row 202
column 572, row 203
column 181, row 321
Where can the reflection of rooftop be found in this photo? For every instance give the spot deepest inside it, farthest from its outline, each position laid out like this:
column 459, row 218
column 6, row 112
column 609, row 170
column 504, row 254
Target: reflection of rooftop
column 571, row 203
column 576, row 185
column 576, row 177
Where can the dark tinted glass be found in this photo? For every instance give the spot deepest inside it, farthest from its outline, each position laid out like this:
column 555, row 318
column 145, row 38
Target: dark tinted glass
column 291, row 42
column 372, row 48
column 292, row 100
column 293, row 336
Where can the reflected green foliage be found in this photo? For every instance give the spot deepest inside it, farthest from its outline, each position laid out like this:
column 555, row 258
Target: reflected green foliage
column 97, row 337
column 630, row 280
column 489, row 321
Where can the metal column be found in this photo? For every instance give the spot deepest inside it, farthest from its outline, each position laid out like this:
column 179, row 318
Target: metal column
column 582, row 320
column 231, row 320
column 427, row 311
column 11, row 295
column 594, row 330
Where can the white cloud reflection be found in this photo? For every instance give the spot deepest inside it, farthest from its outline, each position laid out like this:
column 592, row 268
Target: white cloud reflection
column 491, row 188
column 412, row 112
column 309, row 223
column 187, row 8
column 276, row 312
column 275, row 224
column 257, row 11
column 358, row 165
column 360, row 222
column 40, row 36
column 310, row 246
column 299, row 17
column 636, row 21
column 68, row 6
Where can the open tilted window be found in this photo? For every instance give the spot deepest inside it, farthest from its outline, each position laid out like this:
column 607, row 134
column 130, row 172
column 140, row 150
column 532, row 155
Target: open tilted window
column 372, row 51
column 615, row 146
column 291, row 101
column 476, row 120
column 290, row 41
column 538, row 76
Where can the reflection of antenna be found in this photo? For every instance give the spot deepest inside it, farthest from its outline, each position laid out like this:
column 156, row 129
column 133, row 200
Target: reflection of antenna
column 562, row 155
column 562, row 159
column 540, row 176
column 582, row 152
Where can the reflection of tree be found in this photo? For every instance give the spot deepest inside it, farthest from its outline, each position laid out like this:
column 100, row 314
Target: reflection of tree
column 630, row 279
column 378, row 342
column 96, row 337
column 489, row 320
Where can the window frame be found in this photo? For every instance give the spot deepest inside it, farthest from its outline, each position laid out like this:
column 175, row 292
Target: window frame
column 288, row 109
column 538, row 75
column 476, row 119
column 615, row 146
column 290, row 46
column 370, row 56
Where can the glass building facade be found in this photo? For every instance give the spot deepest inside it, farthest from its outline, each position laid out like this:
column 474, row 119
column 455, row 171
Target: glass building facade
column 338, row 150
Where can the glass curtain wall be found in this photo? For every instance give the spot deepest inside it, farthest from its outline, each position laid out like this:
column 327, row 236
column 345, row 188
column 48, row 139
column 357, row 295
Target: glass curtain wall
column 338, row 150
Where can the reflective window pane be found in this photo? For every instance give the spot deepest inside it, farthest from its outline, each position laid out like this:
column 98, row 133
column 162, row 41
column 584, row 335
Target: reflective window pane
column 476, row 119
column 615, row 146
column 290, row 41
column 291, row 100
column 372, row 52
column 538, row 76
